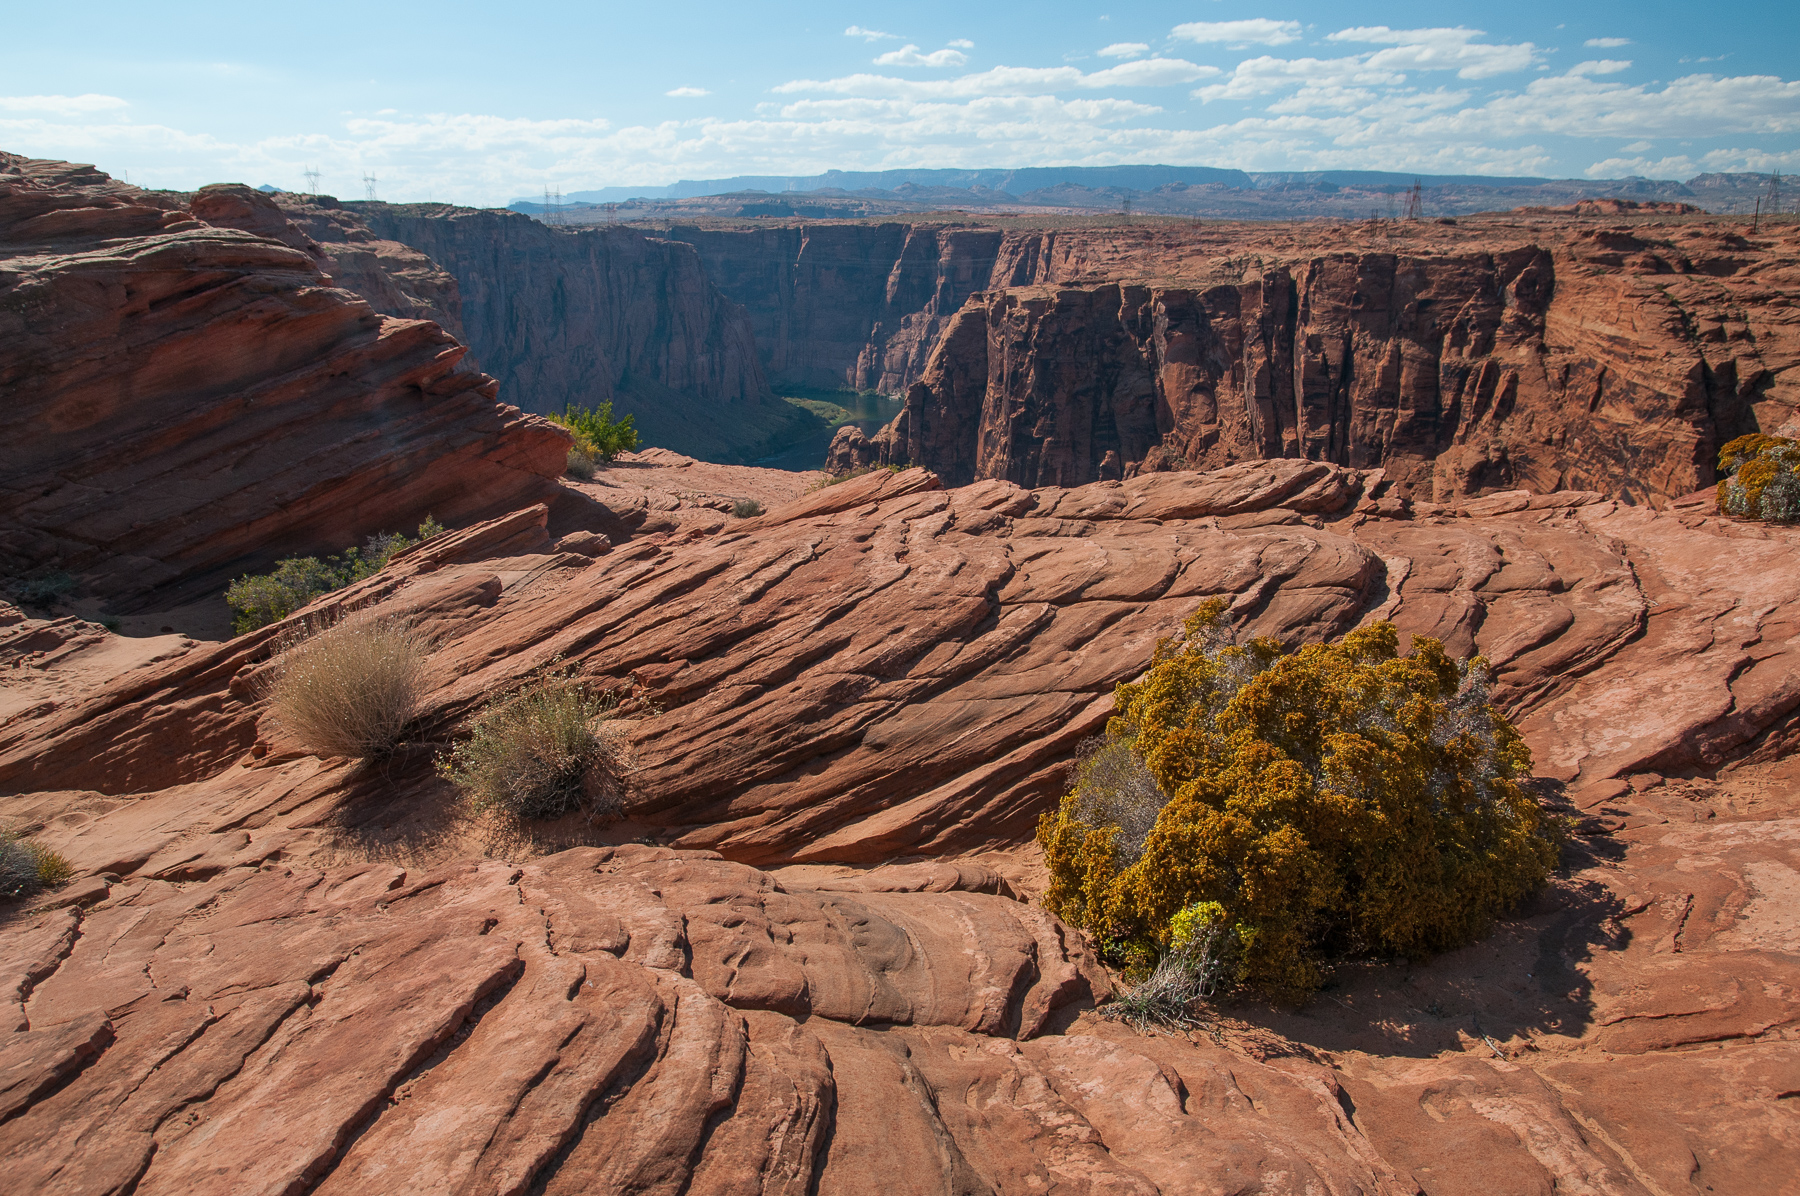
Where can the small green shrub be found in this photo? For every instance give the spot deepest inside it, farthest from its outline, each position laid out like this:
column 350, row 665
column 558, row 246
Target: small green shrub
column 1329, row 802
column 597, row 433
column 263, row 598
column 535, row 753
column 746, row 508
column 1762, row 479
column 26, row 868
column 351, row 688
column 40, row 588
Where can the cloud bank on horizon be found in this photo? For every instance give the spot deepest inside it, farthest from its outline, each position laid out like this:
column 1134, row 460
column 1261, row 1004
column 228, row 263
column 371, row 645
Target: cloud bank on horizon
column 1277, row 92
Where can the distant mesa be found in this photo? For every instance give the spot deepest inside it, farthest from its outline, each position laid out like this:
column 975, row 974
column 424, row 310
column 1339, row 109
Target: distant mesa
column 1189, row 191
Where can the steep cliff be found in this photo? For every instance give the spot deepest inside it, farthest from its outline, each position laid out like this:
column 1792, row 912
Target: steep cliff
column 180, row 401
column 1606, row 359
column 564, row 317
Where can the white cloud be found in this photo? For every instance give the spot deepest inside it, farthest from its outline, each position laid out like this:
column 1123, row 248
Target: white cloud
column 870, row 35
column 1440, row 49
column 1265, row 75
column 962, row 43
column 1010, row 80
column 72, row 106
column 908, row 55
column 1256, row 31
column 1125, row 50
column 1606, row 43
column 1600, row 66
column 688, row 91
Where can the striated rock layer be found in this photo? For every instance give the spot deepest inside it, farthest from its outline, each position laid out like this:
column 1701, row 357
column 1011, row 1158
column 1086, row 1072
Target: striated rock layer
column 565, row 317
column 1616, row 360
column 880, row 669
column 184, row 400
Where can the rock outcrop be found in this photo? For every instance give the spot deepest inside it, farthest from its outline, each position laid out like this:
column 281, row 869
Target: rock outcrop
column 1610, row 360
column 184, row 401
column 577, row 318
column 280, row 972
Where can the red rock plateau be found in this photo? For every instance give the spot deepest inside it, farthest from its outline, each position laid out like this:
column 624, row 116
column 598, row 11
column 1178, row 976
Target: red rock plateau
column 809, row 958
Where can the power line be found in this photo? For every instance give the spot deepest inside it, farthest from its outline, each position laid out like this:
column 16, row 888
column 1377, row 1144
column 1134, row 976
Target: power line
column 312, row 180
column 368, row 186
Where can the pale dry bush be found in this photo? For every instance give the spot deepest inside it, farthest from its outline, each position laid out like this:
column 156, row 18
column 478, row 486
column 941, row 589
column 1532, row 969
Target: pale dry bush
column 351, row 688
column 1114, row 788
column 536, row 753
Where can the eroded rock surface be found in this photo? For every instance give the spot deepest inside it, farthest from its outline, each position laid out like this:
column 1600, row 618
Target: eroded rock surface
column 886, row 670
column 184, row 401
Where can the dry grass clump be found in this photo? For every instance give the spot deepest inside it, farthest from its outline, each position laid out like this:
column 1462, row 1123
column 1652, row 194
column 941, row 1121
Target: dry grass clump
column 351, row 689
column 536, row 753
column 26, row 868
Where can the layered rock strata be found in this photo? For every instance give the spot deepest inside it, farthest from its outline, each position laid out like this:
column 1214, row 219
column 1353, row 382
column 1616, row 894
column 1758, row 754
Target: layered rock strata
column 577, row 318
column 184, row 401
column 1609, row 360
column 885, row 668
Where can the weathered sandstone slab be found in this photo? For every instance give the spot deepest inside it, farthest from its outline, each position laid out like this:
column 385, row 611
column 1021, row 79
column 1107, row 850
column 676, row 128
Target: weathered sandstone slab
column 184, row 402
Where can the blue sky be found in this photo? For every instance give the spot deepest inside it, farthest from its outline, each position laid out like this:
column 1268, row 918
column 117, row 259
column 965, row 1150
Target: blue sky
column 481, row 103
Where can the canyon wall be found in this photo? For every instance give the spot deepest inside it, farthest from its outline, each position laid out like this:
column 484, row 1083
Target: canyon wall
column 182, row 401
column 1604, row 359
column 578, row 318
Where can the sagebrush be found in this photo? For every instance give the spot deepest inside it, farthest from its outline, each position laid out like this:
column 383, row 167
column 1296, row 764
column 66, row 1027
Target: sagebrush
column 538, row 753
column 350, row 689
column 1762, row 478
column 1333, row 801
column 263, row 598
column 27, row 868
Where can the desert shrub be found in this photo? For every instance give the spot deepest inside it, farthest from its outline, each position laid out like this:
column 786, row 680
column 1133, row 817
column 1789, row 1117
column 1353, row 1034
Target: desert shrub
column 40, row 587
column 530, row 753
column 1202, row 957
column 582, row 457
column 746, row 508
column 26, row 868
column 860, row 471
column 1337, row 800
column 351, row 688
column 595, row 429
column 263, row 598
column 1762, row 479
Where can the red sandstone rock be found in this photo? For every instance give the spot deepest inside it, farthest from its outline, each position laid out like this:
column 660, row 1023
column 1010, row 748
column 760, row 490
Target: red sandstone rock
column 1457, row 369
column 886, row 668
column 189, row 402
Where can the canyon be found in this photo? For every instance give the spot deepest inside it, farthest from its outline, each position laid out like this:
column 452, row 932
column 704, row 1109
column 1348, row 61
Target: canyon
column 1547, row 350
column 808, row 955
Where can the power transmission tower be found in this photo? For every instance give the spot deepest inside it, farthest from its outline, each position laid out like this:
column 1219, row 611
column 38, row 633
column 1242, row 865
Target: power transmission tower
column 1415, row 201
column 1774, row 204
column 1128, row 207
column 369, row 186
column 312, row 180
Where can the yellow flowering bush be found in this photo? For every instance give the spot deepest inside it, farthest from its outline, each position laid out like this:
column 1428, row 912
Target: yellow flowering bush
column 1762, row 478
column 1336, row 800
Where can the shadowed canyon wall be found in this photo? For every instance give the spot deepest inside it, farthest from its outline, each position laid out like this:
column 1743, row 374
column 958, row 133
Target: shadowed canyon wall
column 564, row 317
